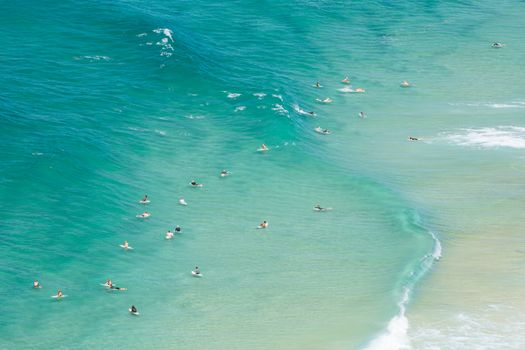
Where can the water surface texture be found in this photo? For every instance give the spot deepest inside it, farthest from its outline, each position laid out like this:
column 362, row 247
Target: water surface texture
column 104, row 101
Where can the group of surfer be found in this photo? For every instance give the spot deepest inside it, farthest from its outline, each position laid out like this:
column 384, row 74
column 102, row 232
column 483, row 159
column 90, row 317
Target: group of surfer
column 346, row 80
column 362, row 115
column 170, row 234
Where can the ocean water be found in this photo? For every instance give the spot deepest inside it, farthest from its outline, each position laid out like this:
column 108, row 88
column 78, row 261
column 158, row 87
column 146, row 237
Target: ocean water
column 103, row 102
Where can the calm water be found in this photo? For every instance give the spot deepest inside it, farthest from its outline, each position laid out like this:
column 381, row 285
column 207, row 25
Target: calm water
column 103, row 102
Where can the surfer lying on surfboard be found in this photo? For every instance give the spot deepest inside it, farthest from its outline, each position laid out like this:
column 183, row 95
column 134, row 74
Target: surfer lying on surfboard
column 109, row 284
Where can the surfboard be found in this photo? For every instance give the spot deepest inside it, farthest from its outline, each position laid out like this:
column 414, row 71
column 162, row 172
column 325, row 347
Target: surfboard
column 58, row 297
column 321, row 131
column 147, row 201
column 195, row 274
column 133, row 313
column 123, row 246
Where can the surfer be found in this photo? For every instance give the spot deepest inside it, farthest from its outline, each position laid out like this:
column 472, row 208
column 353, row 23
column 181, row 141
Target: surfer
column 197, row 271
column 411, row 138
column 224, row 173
column 169, row 234
column 322, row 131
column 178, row 228
column 125, row 245
column 59, row 294
column 36, row 284
column 318, row 207
column 145, row 199
column 497, row 45
column 133, row 310
column 361, row 115
column 195, row 183
column 359, row 90
column 110, row 285
column 264, row 224
column 405, row 84
column 346, row 80
column 317, row 85
column 264, row 147
column 182, row 201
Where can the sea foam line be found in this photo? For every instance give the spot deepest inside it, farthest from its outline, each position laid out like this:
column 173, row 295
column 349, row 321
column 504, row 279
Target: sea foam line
column 395, row 336
column 489, row 137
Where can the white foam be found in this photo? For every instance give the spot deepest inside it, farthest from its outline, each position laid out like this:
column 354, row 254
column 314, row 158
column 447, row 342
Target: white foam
column 233, row 95
column 395, row 337
column 491, row 329
column 239, row 108
column 141, row 35
column 164, row 42
column 259, row 95
column 436, row 254
column 160, row 132
column 280, row 97
column 500, row 136
column 301, row 111
column 280, row 109
column 166, row 31
column 96, row 58
column 191, row 116
column 511, row 104
column 346, row 89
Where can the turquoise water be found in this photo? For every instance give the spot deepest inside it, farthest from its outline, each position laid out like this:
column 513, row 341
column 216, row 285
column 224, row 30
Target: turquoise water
column 103, row 102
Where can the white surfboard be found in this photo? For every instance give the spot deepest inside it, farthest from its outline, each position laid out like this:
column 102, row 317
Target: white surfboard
column 182, row 202
column 143, row 215
column 58, row 297
column 197, row 185
column 321, row 131
column 114, row 288
column 123, row 246
column 195, row 274
column 142, row 201
column 133, row 313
